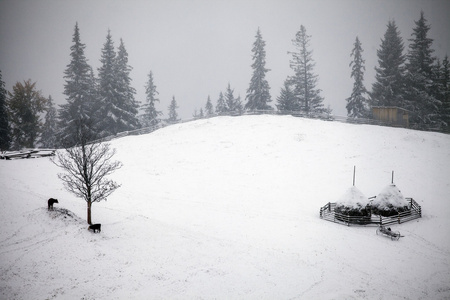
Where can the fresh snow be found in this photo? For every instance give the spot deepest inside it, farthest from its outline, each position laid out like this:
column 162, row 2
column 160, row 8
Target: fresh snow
column 353, row 198
column 390, row 195
column 228, row 208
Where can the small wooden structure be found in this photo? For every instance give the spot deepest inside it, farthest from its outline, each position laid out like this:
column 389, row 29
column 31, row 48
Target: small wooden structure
column 394, row 235
column 393, row 115
column 27, row 153
column 328, row 213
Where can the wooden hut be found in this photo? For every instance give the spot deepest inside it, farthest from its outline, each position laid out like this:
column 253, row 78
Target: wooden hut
column 391, row 114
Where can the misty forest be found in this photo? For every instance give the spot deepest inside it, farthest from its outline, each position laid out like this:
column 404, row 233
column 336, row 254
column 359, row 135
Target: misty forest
column 103, row 100
column 262, row 194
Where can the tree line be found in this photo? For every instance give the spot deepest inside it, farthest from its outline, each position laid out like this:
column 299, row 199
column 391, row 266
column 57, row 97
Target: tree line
column 416, row 81
column 105, row 104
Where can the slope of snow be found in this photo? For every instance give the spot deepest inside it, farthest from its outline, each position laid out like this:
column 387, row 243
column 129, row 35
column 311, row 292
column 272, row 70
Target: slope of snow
column 228, row 208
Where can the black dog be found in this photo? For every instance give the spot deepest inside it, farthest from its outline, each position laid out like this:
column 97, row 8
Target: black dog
column 51, row 201
column 95, row 227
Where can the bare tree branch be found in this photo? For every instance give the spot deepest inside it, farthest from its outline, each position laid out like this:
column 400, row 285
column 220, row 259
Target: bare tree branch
column 86, row 167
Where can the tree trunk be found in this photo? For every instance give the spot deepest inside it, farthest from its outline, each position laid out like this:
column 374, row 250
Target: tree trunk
column 89, row 204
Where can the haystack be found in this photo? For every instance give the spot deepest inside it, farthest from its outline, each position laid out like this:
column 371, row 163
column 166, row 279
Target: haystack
column 354, row 203
column 390, row 202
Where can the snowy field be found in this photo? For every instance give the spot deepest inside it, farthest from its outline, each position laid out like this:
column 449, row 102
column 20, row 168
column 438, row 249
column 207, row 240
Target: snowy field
column 228, row 208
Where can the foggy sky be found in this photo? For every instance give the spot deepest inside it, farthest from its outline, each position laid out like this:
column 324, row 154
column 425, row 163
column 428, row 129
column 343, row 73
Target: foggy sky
column 196, row 47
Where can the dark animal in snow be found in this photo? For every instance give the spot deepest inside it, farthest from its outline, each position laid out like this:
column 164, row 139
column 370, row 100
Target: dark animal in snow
column 95, row 227
column 51, row 201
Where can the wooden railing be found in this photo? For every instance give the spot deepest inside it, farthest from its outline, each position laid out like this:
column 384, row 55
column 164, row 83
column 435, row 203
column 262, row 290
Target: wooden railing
column 327, row 212
column 311, row 115
column 27, row 153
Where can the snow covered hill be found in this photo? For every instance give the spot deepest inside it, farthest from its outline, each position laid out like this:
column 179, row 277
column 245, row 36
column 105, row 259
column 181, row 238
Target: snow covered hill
column 228, row 208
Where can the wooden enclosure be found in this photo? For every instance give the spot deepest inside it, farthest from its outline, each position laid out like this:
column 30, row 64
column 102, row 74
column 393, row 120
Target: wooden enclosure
column 391, row 114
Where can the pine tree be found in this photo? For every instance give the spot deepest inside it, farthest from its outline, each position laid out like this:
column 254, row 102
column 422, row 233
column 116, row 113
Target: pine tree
column 357, row 102
column 25, row 106
column 420, row 57
column 126, row 100
column 199, row 114
column 304, row 80
column 258, row 95
column 111, row 112
column 232, row 104
column 209, row 109
column 150, row 117
column 48, row 138
column 437, row 89
column 388, row 89
column 421, row 101
column 173, row 115
column 5, row 139
column 445, row 107
column 94, row 102
column 80, row 94
column 221, row 105
column 286, row 101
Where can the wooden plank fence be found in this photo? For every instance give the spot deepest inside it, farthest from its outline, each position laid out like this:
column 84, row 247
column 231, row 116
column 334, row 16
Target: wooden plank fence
column 301, row 114
column 27, row 153
column 328, row 213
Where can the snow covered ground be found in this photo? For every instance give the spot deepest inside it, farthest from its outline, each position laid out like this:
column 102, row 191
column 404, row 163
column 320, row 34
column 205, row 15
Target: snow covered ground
column 228, row 208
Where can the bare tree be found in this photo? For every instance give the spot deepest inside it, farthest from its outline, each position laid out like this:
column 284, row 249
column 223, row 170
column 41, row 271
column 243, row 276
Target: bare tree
column 86, row 166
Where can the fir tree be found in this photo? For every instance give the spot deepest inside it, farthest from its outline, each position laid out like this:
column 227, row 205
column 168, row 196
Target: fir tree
column 48, row 138
column 25, row 106
column 209, row 109
column 80, row 94
column 357, row 102
column 221, row 105
column 232, row 104
column 94, row 102
column 150, row 117
column 126, row 100
column 5, row 139
column 286, row 101
column 437, row 89
column 304, row 80
column 421, row 101
column 420, row 57
column 173, row 115
column 258, row 95
column 199, row 114
column 388, row 89
column 445, row 107
column 116, row 115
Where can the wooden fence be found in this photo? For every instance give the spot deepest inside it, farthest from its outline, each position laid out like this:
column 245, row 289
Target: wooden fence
column 27, row 153
column 328, row 213
column 321, row 116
